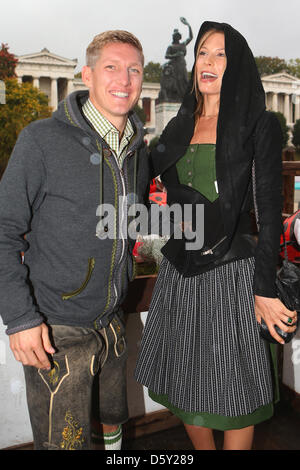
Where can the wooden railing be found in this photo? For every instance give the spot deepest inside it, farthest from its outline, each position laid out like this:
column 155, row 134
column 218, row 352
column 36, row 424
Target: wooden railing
column 291, row 169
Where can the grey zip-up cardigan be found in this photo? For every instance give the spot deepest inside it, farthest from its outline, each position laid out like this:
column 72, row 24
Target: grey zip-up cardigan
column 49, row 196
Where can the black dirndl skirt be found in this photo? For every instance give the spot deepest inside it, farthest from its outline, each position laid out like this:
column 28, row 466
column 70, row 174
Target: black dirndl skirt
column 201, row 347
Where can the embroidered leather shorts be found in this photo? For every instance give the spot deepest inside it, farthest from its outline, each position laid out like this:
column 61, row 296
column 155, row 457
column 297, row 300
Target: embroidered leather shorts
column 60, row 400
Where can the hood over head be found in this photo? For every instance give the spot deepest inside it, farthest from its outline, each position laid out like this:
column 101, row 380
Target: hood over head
column 242, row 100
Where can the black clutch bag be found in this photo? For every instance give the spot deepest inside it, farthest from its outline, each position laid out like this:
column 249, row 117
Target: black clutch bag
column 287, row 284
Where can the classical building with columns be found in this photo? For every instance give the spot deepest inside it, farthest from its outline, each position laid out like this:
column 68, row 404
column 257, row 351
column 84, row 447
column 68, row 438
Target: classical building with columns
column 54, row 75
column 283, row 95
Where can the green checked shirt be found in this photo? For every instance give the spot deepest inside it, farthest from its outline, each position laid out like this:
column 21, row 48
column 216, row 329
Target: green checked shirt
column 107, row 131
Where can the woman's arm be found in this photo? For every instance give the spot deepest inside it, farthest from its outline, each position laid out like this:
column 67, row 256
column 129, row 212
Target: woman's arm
column 268, row 197
column 268, row 182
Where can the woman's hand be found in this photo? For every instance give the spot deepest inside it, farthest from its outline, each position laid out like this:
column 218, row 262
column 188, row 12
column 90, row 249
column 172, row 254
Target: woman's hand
column 273, row 312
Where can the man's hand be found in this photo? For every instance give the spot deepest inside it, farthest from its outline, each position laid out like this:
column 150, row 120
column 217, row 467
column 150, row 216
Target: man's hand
column 30, row 347
column 273, row 313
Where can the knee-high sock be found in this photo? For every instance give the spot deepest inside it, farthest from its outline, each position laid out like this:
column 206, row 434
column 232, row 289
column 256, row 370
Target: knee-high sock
column 113, row 440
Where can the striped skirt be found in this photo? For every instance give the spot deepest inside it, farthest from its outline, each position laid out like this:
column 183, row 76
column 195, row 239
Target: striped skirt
column 201, row 346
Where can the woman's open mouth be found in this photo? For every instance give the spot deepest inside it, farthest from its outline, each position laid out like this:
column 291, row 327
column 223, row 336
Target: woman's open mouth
column 208, row 76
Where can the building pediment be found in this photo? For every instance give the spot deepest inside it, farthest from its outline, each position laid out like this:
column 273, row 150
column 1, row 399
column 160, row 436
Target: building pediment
column 282, row 77
column 46, row 57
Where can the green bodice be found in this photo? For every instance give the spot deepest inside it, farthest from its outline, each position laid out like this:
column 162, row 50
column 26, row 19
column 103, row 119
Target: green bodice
column 197, row 169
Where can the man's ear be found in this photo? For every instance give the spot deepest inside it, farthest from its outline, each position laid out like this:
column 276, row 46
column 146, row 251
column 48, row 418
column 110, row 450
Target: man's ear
column 86, row 74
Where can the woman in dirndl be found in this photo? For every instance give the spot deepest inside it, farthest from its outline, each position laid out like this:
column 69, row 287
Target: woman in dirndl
column 201, row 354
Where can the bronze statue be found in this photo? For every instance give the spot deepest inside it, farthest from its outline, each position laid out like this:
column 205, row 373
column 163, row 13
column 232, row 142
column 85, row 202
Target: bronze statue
column 174, row 78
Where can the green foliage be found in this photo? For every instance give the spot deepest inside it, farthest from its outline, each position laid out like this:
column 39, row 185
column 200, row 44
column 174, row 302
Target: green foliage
column 141, row 113
column 24, row 104
column 294, row 67
column 8, row 63
column 153, row 142
column 296, row 134
column 284, row 128
column 152, row 72
column 270, row 65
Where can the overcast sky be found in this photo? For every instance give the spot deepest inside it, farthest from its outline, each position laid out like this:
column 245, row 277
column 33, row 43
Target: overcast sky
column 66, row 27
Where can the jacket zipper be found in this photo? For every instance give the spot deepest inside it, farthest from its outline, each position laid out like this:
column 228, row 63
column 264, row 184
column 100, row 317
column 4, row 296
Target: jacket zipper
column 120, row 224
column 210, row 250
column 123, row 182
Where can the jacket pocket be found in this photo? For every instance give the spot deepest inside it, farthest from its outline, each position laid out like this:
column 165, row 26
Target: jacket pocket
column 69, row 295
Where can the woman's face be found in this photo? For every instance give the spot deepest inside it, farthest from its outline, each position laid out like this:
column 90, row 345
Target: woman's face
column 211, row 64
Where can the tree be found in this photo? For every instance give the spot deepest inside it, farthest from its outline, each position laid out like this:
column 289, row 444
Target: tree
column 296, row 134
column 152, row 72
column 270, row 65
column 294, row 67
column 140, row 112
column 284, row 128
column 8, row 63
column 24, row 104
column 153, row 142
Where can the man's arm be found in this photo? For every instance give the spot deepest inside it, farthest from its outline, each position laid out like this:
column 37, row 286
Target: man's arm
column 22, row 189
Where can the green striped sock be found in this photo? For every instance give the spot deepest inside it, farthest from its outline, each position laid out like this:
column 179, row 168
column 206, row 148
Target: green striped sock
column 113, row 440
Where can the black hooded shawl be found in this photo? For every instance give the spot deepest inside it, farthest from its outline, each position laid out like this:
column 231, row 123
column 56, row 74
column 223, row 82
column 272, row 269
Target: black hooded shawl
column 245, row 132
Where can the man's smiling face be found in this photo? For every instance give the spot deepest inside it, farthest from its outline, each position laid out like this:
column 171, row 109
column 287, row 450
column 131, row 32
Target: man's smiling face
column 115, row 83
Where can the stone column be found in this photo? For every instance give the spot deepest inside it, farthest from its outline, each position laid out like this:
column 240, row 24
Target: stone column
column 287, row 108
column 275, row 102
column 36, row 82
column 164, row 113
column 69, row 87
column 297, row 107
column 54, row 94
column 152, row 112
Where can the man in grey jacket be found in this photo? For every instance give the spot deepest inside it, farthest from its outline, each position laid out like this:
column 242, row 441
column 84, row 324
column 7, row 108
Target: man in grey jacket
column 61, row 302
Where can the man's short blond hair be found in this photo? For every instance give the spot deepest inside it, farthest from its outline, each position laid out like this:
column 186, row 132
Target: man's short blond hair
column 102, row 39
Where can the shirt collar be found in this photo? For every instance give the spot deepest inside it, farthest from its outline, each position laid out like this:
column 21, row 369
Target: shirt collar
column 103, row 125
